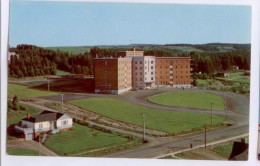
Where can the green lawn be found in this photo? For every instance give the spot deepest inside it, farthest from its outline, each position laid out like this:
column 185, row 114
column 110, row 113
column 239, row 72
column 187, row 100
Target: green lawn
column 13, row 117
column 224, row 150
column 200, row 100
column 24, row 92
column 168, row 121
column 236, row 77
column 60, row 73
column 204, row 83
column 22, row 152
column 81, row 138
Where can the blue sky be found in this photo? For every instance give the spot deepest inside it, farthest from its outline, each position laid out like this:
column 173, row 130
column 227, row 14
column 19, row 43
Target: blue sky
column 83, row 23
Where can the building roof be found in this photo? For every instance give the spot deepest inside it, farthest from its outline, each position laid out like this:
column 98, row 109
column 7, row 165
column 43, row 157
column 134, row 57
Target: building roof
column 173, row 57
column 239, row 151
column 111, row 58
column 44, row 116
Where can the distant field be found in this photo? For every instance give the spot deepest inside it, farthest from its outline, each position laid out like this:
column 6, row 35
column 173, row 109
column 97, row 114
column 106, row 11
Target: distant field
column 236, row 77
column 199, row 100
column 168, row 121
column 178, row 48
column 80, row 139
column 71, row 49
column 24, row 92
column 22, row 152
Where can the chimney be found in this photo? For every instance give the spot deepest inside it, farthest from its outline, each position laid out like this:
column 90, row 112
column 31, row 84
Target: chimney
column 28, row 116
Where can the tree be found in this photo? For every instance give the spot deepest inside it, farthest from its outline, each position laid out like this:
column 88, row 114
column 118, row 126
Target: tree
column 15, row 103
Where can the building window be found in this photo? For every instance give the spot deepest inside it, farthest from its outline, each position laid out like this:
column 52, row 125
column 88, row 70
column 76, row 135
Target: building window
column 135, row 68
column 151, row 78
column 141, row 79
column 65, row 122
column 151, row 62
column 135, row 62
column 141, row 68
column 141, row 62
column 40, row 125
column 145, row 73
column 151, row 73
column 151, row 67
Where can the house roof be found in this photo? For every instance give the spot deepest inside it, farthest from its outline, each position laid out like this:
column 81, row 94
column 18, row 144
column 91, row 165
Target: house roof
column 44, row 116
column 239, row 151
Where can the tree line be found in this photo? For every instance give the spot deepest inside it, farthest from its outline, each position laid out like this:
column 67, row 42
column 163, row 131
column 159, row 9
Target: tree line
column 37, row 61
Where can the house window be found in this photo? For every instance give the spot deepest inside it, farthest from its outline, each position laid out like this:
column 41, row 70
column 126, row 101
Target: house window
column 65, row 122
column 151, row 67
column 151, row 62
column 151, row 78
column 40, row 125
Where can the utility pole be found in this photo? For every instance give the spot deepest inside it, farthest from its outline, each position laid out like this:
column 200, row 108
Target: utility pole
column 211, row 112
column 62, row 102
column 143, row 116
column 205, row 136
column 226, row 105
column 48, row 83
column 39, row 139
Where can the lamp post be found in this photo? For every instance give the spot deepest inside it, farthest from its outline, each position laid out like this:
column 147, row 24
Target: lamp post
column 211, row 112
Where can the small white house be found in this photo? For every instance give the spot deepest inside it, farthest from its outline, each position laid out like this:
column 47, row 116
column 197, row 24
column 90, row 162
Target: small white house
column 44, row 122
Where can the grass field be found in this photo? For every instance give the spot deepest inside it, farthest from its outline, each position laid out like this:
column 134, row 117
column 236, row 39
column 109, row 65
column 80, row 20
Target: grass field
column 60, row 73
column 236, row 77
column 224, row 150
column 13, row 117
column 81, row 86
column 200, row 100
column 168, row 121
column 81, row 138
column 22, row 152
column 72, row 49
column 204, row 83
column 24, row 92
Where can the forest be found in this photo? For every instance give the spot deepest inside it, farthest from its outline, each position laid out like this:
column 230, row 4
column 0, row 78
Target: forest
column 37, row 61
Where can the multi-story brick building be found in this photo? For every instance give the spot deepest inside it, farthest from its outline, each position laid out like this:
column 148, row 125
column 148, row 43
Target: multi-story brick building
column 113, row 75
column 173, row 71
column 143, row 69
column 133, row 53
column 131, row 69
